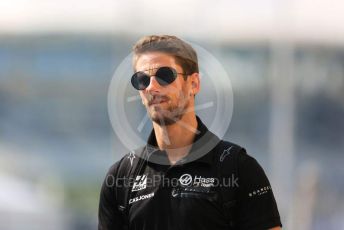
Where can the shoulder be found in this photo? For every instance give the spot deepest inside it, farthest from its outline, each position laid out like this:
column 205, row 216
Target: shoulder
column 126, row 163
column 232, row 155
column 233, row 159
column 227, row 151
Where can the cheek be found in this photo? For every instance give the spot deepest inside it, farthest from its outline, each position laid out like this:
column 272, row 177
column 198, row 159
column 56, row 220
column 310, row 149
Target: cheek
column 186, row 91
column 179, row 97
column 143, row 97
column 179, row 88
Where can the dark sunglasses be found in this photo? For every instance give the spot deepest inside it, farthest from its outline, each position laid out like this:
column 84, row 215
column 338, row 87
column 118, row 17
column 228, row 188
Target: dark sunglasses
column 164, row 76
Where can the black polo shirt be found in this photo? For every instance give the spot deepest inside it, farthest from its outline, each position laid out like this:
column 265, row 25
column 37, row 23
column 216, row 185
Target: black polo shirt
column 192, row 194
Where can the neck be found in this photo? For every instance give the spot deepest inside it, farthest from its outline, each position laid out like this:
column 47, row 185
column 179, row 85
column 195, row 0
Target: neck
column 177, row 138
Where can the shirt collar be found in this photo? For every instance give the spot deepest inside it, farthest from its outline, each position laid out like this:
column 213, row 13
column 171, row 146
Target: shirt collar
column 157, row 156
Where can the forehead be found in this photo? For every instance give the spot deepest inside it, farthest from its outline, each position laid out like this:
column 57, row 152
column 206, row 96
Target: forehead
column 153, row 60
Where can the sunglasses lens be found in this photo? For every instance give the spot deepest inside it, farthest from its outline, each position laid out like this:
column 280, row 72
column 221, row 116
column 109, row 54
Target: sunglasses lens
column 140, row 80
column 165, row 75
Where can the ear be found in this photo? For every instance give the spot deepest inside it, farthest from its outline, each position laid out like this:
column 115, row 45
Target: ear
column 195, row 83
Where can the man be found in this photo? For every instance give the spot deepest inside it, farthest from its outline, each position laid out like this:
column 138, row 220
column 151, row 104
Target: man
column 176, row 181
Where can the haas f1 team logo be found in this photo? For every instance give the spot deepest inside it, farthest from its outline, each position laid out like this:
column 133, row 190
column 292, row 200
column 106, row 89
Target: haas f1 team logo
column 140, row 183
column 187, row 180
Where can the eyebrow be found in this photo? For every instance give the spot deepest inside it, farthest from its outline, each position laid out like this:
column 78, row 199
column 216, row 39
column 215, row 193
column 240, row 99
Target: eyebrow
column 152, row 68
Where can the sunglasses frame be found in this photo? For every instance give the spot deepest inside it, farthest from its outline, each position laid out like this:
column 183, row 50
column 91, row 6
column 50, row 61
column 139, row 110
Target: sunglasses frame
column 158, row 79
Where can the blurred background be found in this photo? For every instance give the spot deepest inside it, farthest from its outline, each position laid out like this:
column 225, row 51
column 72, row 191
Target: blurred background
column 285, row 59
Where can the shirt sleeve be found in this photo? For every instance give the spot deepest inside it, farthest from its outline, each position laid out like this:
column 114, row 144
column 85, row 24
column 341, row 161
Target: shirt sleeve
column 109, row 217
column 257, row 208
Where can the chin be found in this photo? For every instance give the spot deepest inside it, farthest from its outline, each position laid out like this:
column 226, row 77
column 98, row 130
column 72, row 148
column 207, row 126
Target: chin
column 164, row 119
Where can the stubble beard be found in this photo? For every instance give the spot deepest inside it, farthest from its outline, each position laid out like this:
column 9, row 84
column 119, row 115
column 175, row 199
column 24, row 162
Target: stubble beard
column 170, row 115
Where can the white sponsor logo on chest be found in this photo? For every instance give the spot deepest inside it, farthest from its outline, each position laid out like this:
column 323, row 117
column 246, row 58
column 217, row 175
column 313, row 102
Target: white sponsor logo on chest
column 188, row 180
column 140, row 183
column 142, row 197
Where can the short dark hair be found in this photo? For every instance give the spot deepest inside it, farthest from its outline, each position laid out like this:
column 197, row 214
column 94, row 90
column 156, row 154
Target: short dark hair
column 183, row 53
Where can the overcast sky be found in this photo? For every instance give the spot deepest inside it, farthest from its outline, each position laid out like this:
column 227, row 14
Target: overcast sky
column 299, row 20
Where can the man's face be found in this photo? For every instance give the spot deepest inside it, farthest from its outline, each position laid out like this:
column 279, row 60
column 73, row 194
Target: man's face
column 166, row 104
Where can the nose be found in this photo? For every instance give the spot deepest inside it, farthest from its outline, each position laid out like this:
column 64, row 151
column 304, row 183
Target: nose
column 153, row 84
